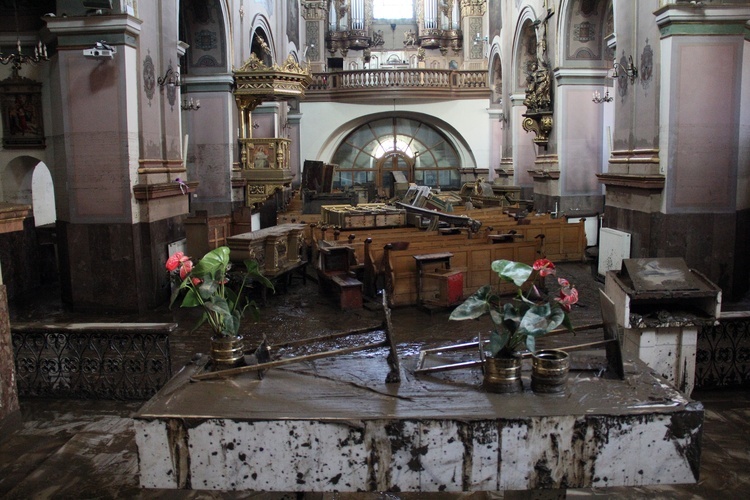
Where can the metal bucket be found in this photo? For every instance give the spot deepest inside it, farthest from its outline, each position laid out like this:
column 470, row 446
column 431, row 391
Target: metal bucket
column 549, row 371
column 227, row 352
column 502, row 375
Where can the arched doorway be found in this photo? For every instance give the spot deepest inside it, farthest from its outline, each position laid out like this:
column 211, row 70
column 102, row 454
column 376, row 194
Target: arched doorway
column 29, row 253
column 391, row 168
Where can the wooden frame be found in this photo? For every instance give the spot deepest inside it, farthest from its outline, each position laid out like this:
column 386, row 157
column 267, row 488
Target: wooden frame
column 21, row 108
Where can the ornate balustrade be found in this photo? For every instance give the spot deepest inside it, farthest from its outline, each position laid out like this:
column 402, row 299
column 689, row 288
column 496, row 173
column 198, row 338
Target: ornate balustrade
column 417, row 83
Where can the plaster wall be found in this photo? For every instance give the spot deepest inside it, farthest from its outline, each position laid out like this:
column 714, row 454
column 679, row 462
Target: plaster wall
column 465, row 122
column 496, row 144
column 211, row 149
column 524, row 149
column 150, row 116
column 702, row 164
column 580, row 141
column 637, row 112
column 96, row 139
column 743, row 164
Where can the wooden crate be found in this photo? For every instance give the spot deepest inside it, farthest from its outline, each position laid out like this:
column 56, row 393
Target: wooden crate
column 362, row 216
column 205, row 233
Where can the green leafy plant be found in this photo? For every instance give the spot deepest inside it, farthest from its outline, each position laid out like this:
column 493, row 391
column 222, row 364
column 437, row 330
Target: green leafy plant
column 525, row 317
column 208, row 286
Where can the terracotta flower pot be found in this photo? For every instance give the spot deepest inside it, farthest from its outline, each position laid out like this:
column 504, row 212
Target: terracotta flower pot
column 502, row 375
column 227, row 352
column 549, row 371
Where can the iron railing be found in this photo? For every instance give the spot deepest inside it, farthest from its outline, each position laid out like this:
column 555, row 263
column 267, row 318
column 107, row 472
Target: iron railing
column 92, row 360
column 723, row 353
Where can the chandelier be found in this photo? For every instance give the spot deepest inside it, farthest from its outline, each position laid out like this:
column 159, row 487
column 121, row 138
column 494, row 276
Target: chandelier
column 19, row 58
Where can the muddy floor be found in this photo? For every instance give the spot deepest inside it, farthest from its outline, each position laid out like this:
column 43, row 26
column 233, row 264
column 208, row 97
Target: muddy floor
column 86, row 449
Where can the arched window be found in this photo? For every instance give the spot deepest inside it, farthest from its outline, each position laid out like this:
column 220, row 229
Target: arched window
column 382, row 151
column 393, row 9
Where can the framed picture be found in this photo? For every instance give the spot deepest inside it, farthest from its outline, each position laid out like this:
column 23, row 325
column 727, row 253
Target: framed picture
column 21, row 107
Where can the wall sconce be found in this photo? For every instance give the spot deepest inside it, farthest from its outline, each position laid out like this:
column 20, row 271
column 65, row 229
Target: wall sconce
column 190, row 104
column 630, row 70
column 170, row 78
column 598, row 98
column 479, row 39
column 307, row 47
column 484, row 41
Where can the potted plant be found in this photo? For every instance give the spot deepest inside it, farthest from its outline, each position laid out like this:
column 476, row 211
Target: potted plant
column 518, row 322
column 207, row 284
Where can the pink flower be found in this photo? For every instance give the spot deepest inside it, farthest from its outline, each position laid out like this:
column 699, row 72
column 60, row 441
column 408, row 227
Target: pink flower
column 196, row 281
column 544, row 266
column 174, row 261
column 563, row 282
column 568, row 297
column 185, row 269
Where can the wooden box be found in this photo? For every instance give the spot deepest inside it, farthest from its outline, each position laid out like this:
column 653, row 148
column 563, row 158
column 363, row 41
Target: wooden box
column 205, row 233
column 443, row 288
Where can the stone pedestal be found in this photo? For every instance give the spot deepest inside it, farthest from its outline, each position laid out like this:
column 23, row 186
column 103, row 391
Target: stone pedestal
column 670, row 352
column 333, row 425
column 660, row 305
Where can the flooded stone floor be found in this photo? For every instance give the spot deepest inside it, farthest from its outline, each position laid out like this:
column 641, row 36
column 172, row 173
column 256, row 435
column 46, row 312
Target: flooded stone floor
column 86, row 448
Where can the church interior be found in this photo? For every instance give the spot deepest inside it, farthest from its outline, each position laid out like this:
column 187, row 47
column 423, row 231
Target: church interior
column 373, row 168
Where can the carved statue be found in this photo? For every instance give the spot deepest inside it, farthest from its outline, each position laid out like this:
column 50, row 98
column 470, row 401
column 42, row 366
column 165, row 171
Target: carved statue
column 538, row 90
column 445, row 7
column 342, row 7
column 410, row 39
column 377, row 38
column 263, row 45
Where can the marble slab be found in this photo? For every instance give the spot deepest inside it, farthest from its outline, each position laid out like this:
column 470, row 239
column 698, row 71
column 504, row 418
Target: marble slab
column 333, row 425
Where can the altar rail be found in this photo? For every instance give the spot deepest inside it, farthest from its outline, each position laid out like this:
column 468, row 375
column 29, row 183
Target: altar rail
column 421, row 83
column 92, row 360
column 723, row 353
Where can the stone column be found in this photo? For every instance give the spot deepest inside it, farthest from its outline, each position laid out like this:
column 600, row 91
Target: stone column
column 9, row 409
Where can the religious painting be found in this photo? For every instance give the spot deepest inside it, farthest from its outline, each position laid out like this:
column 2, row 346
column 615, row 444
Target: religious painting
column 262, row 156
column 21, row 107
column 292, row 21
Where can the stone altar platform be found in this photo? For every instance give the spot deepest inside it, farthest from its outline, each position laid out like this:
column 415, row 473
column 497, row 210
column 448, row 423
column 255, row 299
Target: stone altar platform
column 334, row 425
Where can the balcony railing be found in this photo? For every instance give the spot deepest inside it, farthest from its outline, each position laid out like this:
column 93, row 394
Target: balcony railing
column 413, row 83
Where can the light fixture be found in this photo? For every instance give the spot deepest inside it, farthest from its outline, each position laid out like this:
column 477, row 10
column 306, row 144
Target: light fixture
column 630, row 70
column 170, row 78
column 598, row 98
column 307, row 47
column 484, row 41
column 480, row 39
column 19, row 58
column 191, row 104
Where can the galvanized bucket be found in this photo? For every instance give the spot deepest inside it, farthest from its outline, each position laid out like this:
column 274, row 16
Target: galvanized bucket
column 549, row 371
column 227, row 352
column 502, row 375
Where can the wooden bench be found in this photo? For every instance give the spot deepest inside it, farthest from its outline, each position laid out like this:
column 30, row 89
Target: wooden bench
column 336, row 268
